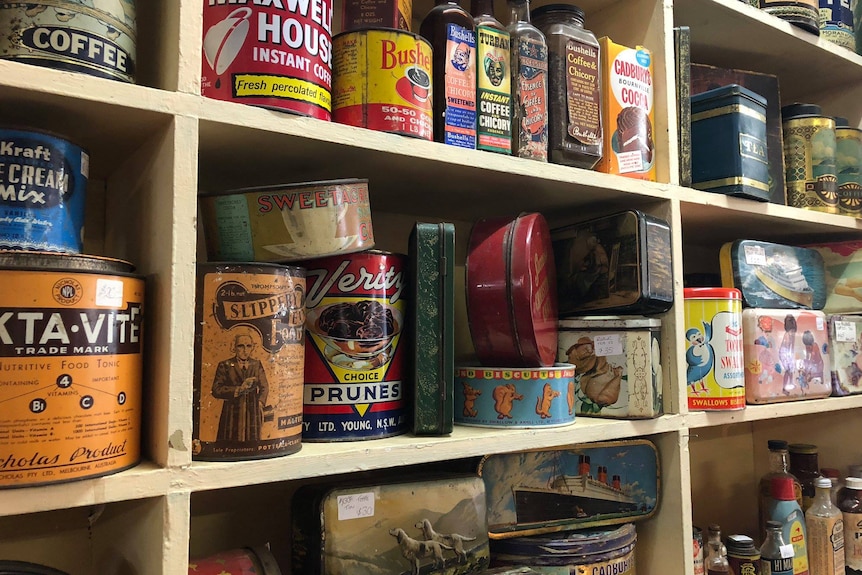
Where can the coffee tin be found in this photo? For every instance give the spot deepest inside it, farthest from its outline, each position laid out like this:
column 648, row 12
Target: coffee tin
column 70, row 367
column 836, row 23
column 848, row 166
column 43, row 187
column 246, row 561
column 360, row 14
column 382, row 81
column 845, row 345
column 249, row 354
column 355, row 356
column 288, row 222
column 809, row 158
column 276, row 55
column 95, row 37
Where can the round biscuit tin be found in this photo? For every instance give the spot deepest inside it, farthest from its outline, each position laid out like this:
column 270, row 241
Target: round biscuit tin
column 355, row 348
column 809, row 158
column 246, row 561
column 382, row 81
column 70, row 367
column 249, row 355
column 714, row 353
column 96, row 37
column 43, row 187
column 25, row 568
column 848, row 167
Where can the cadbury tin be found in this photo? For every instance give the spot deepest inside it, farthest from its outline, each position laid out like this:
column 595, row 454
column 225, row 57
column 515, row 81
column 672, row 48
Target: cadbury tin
column 43, row 185
column 275, row 54
column 70, row 367
column 809, row 158
column 247, row 561
column 354, row 360
column 249, row 353
column 288, row 222
column 714, row 357
column 96, row 37
column 382, row 81
column 848, row 167
column 359, row 14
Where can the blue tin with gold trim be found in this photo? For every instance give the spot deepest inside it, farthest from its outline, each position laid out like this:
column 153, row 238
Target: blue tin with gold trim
column 728, row 142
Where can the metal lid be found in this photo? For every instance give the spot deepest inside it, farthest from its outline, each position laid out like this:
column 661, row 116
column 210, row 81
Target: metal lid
column 804, row 448
column 725, row 91
column 712, row 293
column 285, row 187
column 569, row 544
column 776, row 444
column 823, row 482
column 741, row 545
column 841, row 122
column 565, row 8
column 605, row 322
column 55, row 261
column 800, row 111
column 853, row 482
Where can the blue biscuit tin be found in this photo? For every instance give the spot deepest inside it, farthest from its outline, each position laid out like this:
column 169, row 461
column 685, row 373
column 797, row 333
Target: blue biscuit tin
column 728, row 142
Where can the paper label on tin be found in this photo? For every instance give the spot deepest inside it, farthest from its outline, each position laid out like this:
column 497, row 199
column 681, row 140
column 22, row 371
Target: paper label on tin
column 845, row 331
column 109, row 292
column 355, row 506
column 755, row 255
column 630, row 162
column 821, row 324
column 610, row 344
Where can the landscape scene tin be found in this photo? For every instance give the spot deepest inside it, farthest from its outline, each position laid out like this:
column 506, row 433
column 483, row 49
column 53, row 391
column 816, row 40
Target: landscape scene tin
column 848, row 167
column 355, row 358
column 842, row 265
column 70, row 368
column 249, row 354
column 845, row 350
column 43, row 188
column 809, row 158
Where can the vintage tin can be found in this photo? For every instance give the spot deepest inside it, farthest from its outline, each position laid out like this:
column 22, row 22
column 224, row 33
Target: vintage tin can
column 856, row 8
column 355, row 348
column 845, row 345
column 728, row 142
column 70, row 367
column 247, row 561
column 786, row 355
column 617, row 361
column 276, row 55
column 836, row 23
column 24, row 568
column 511, row 570
column 249, row 355
column 802, row 13
column 697, row 547
column 361, row 14
column 96, row 38
column 382, row 81
column 842, row 263
column 288, row 222
column 516, row 398
column 511, row 292
column 714, row 358
column 742, row 555
column 43, row 188
column 809, row 158
column 848, row 167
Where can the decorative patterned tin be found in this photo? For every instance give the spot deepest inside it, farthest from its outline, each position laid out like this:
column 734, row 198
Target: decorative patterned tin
column 848, row 166
column 616, row 264
column 433, row 526
column 354, row 360
column 43, row 187
column 786, row 355
column 249, row 351
column 836, row 23
column 289, row 222
column 842, row 263
column 254, row 561
column 617, row 361
column 845, row 351
column 587, row 485
column 511, row 292
column 773, row 275
column 802, row 13
column 728, row 142
column 515, row 398
column 511, row 570
column 809, row 158
column 70, row 367
column 96, row 37
column 276, row 55
column 714, row 358
column 359, row 14
column 382, row 81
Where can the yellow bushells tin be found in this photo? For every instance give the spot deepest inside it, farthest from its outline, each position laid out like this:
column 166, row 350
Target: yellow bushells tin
column 70, row 367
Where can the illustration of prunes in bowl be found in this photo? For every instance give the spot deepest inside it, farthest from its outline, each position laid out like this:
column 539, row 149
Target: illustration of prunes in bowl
column 359, row 330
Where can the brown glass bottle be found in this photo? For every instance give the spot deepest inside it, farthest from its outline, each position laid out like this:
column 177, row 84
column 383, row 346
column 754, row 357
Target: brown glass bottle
column 804, row 466
column 493, row 80
column 452, row 34
column 850, row 504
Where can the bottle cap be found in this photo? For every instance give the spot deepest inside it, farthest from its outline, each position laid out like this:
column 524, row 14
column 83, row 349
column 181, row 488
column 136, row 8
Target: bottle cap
column 855, row 470
column 776, row 444
column 805, row 448
column 740, row 545
column 773, row 524
column 823, row 482
column 830, row 472
column 781, row 488
column 853, row 483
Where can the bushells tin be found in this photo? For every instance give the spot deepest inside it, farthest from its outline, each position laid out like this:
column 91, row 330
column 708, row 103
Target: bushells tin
column 249, row 353
column 70, row 368
column 288, row 222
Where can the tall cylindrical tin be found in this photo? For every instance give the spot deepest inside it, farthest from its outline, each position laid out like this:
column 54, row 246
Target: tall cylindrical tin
column 43, row 186
column 848, row 167
column 802, row 13
column 96, row 38
column 276, row 55
column 249, row 355
column 382, row 81
column 836, row 23
column 714, row 353
column 354, row 360
column 809, row 158
column 70, row 367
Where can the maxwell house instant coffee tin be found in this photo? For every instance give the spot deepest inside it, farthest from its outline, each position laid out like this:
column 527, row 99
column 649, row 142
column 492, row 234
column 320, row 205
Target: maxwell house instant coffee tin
column 43, row 186
column 382, row 81
column 359, row 14
column 248, row 561
column 355, row 355
column 70, row 367
column 96, row 37
column 249, row 355
column 271, row 54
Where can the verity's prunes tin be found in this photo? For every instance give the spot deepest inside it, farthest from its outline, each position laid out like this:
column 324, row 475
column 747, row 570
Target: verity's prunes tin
column 70, row 367
column 249, row 355
column 359, row 14
column 809, row 158
column 43, row 185
column 848, row 167
column 253, row 561
column 354, row 360
column 382, row 81
column 94, row 37
column 275, row 55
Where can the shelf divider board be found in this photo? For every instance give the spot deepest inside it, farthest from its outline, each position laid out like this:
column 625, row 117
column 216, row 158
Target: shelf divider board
column 190, row 52
column 176, row 532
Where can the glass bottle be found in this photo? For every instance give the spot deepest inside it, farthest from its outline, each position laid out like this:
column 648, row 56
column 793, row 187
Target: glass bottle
column 494, row 80
column 835, row 476
column 779, row 463
column 850, row 504
column 452, row 34
column 776, row 555
column 825, row 532
column 787, row 512
column 804, row 466
column 529, row 60
column 716, row 563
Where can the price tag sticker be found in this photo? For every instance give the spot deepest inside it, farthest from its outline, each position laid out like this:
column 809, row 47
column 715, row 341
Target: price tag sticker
column 355, row 506
column 755, row 255
column 610, row 344
column 820, row 323
column 109, row 292
column 785, row 551
column 845, row 331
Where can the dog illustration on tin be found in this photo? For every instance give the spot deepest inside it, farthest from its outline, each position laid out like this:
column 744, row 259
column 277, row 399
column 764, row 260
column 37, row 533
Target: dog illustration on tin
column 415, row 550
column 453, row 541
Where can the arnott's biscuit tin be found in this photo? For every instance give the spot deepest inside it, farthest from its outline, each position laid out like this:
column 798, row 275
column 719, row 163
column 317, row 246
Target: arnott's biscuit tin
column 355, row 351
column 70, row 367
column 249, row 354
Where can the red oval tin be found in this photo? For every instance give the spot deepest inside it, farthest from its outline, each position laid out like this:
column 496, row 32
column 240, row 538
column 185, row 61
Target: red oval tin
column 511, row 292
column 254, row 561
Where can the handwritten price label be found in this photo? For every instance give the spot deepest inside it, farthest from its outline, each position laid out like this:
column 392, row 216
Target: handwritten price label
column 355, row 506
column 109, row 292
column 845, row 331
column 754, row 255
column 607, row 345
